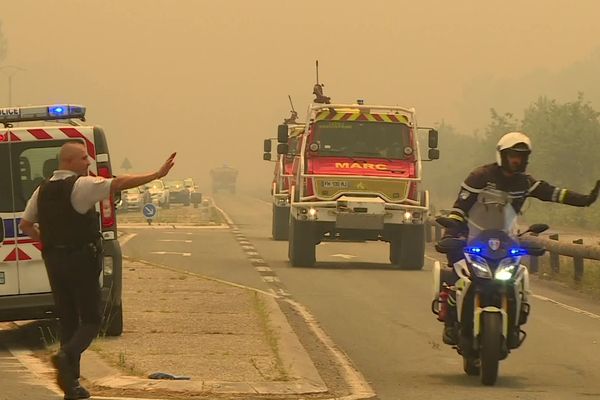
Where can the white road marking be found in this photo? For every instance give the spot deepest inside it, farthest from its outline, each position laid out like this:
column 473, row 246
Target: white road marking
column 344, row 256
column 567, row 307
column 171, row 253
column 263, row 269
column 175, row 240
column 359, row 387
column 270, row 279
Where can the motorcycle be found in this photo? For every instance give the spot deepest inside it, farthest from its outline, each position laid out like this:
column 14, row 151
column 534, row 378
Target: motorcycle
column 492, row 286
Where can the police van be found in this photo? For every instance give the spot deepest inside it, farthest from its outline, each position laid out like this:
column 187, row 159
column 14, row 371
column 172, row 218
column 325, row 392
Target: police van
column 30, row 140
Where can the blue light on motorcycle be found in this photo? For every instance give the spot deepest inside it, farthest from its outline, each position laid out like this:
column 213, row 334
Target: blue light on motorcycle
column 473, row 250
column 517, row 252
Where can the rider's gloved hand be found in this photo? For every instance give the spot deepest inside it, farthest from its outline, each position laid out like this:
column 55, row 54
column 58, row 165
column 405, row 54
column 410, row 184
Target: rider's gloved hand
column 591, row 198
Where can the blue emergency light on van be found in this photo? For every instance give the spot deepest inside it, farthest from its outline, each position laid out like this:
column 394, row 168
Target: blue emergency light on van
column 57, row 111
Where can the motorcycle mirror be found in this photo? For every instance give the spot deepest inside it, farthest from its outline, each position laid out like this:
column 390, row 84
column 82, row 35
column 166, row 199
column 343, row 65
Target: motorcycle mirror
column 536, row 228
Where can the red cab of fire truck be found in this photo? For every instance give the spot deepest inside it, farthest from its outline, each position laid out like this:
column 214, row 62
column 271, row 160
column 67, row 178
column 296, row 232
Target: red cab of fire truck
column 357, row 176
column 287, row 146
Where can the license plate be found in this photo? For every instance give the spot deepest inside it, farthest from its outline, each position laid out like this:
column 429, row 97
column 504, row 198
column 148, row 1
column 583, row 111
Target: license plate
column 334, row 184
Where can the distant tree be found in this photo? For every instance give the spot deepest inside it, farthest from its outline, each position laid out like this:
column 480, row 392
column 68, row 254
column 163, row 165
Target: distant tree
column 3, row 45
column 126, row 165
column 566, row 141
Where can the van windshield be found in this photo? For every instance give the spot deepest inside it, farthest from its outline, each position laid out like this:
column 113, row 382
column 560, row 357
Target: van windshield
column 362, row 139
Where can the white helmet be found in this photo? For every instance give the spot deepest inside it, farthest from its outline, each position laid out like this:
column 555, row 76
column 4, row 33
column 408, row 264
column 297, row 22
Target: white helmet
column 515, row 141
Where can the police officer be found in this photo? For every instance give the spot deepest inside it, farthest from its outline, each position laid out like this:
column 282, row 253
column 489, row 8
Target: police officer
column 67, row 226
column 508, row 175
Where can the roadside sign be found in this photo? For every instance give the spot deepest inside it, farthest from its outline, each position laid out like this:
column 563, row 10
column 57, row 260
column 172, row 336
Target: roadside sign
column 149, row 210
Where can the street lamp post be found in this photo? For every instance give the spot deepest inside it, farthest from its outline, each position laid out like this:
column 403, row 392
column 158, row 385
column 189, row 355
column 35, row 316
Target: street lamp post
column 12, row 70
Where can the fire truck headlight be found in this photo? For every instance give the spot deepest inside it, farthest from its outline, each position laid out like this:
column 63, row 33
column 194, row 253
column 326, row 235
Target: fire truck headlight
column 407, row 216
column 312, row 212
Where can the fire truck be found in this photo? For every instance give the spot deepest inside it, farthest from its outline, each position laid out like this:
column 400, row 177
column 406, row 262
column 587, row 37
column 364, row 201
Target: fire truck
column 356, row 176
column 30, row 140
column 223, row 178
column 281, row 178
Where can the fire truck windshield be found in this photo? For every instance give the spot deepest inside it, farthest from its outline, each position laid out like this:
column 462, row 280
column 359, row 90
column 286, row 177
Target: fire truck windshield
column 362, row 139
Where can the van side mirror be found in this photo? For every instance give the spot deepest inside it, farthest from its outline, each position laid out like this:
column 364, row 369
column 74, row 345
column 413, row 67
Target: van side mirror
column 433, row 139
column 433, row 154
column 282, row 133
column 267, row 156
column 267, row 146
column 282, row 148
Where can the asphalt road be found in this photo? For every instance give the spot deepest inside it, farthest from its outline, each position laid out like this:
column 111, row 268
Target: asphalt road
column 381, row 316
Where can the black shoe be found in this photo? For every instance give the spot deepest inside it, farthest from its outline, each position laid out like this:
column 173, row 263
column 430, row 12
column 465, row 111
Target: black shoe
column 65, row 377
column 449, row 336
column 78, row 393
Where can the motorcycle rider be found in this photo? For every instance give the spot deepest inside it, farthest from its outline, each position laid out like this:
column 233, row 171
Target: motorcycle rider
column 506, row 174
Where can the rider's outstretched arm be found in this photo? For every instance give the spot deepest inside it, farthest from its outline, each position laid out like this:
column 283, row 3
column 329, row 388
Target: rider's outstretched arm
column 546, row 192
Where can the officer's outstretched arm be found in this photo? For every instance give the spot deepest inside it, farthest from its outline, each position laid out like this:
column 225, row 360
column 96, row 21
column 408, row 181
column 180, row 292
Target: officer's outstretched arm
column 130, row 181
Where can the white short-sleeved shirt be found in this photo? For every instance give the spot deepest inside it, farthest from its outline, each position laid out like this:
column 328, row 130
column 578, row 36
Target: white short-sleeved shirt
column 87, row 191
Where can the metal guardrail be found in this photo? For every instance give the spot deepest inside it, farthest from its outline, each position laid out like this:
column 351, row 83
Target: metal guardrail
column 576, row 250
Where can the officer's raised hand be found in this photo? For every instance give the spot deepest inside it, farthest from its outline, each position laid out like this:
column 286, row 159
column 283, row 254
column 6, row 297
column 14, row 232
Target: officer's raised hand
column 123, row 182
column 166, row 167
column 593, row 194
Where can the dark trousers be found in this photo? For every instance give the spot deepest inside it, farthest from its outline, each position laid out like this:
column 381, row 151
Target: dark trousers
column 74, row 279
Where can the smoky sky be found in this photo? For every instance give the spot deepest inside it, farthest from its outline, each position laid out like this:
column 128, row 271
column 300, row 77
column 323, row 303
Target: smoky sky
column 210, row 79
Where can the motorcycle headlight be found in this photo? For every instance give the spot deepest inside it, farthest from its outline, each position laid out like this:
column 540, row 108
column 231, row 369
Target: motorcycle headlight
column 507, row 268
column 480, row 266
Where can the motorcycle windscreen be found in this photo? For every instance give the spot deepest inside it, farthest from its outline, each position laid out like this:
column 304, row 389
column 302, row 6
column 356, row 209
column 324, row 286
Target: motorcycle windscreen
column 493, row 210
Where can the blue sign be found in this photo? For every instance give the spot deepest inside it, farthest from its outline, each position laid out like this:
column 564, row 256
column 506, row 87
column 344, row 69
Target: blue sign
column 149, row 210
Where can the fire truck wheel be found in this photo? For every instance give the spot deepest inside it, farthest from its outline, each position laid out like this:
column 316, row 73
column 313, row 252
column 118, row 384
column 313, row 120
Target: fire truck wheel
column 280, row 222
column 407, row 251
column 301, row 245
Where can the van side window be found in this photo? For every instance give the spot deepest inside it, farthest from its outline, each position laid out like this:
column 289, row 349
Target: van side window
column 35, row 165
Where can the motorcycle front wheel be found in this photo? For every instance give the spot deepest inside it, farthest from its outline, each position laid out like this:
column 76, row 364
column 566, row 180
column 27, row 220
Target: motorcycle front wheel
column 491, row 345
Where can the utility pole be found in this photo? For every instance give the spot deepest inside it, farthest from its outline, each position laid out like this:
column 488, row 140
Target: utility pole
column 12, row 70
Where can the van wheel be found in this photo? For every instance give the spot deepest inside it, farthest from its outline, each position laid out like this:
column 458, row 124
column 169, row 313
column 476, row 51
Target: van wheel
column 114, row 321
column 301, row 245
column 408, row 251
